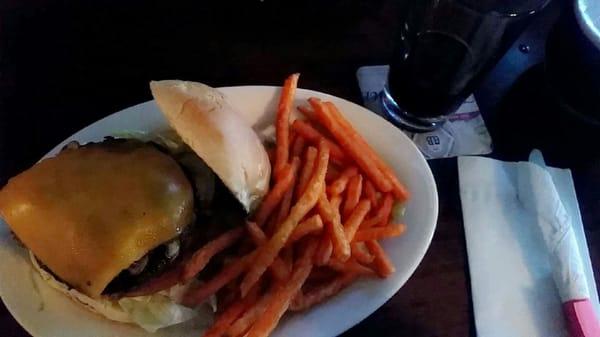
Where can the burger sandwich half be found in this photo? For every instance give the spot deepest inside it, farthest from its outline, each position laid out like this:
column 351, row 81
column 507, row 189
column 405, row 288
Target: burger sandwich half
column 111, row 224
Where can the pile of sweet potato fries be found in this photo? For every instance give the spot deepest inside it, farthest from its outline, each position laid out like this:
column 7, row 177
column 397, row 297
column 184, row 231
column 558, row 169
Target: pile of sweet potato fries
column 315, row 232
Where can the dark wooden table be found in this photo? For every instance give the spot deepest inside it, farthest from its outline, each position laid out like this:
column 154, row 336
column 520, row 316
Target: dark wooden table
column 65, row 64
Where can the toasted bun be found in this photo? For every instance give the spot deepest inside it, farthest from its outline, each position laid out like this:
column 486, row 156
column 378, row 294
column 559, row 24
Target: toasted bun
column 219, row 135
column 109, row 310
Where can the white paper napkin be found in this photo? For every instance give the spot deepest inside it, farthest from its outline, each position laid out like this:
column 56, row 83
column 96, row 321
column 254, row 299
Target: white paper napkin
column 512, row 285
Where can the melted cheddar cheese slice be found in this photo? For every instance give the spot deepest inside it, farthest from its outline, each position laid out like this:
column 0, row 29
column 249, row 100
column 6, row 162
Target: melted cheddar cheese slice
column 89, row 213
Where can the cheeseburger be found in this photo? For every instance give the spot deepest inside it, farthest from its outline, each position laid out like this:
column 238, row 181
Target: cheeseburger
column 111, row 223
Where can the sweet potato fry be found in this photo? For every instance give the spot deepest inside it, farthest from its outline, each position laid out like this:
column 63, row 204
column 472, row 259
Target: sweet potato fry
column 324, row 251
column 307, row 169
column 350, row 266
column 353, row 148
column 292, row 136
column 287, row 256
column 282, row 123
column 267, row 253
column 333, row 172
column 242, row 324
column 371, row 193
column 279, row 269
column 229, row 315
column 378, row 233
column 331, row 218
column 284, row 294
column 199, row 294
column 275, row 195
column 298, row 146
column 383, row 264
column 356, row 218
column 285, row 205
column 227, row 295
column 361, row 253
column 256, row 233
column 382, row 215
column 336, row 202
column 271, row 223
column 286, row 201
column 312, row 135
column 299, row 297
column 314, row 224
column 399, row 191
column 339, row 185
column 323, row 292
column 353, row 193
column 202, row 256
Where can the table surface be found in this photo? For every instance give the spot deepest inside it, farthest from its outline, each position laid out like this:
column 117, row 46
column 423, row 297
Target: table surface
column 64, row 65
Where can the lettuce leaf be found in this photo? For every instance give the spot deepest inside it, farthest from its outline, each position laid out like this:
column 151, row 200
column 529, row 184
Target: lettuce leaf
column 398, row 211
column 155, row 311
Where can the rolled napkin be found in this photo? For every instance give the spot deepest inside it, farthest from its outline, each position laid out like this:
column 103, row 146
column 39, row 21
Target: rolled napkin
column 537, row 193
column 527, row 250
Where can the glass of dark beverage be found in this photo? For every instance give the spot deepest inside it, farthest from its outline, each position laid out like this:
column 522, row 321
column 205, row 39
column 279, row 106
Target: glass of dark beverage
column 445, row 47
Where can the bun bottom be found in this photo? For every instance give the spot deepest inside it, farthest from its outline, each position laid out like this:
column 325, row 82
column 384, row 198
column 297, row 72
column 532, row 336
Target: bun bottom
column 149, row 312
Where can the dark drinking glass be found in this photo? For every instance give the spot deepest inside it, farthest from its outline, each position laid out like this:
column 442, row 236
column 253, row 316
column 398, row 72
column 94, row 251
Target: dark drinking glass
column 445, row 46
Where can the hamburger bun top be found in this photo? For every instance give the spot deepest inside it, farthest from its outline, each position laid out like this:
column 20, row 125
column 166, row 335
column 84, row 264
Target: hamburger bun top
column 219, row 135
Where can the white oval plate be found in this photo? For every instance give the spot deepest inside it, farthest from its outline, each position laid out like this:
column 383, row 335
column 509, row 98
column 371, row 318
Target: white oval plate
column 44, row 312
